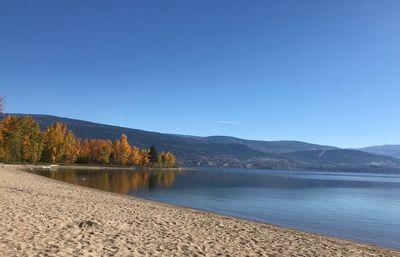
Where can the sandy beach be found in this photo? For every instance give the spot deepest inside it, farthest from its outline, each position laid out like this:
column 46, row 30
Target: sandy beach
column 40, row 216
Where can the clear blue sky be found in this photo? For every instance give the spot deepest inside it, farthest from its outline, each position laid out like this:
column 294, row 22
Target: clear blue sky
column 326, row 72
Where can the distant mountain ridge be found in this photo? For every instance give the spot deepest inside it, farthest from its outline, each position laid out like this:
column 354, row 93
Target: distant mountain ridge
column 224, row 151
column 338, row 157
column 282, row 146
column 389, row 150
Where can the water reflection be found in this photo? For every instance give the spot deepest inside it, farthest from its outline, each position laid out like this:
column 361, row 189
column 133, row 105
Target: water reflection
column 358, row 206
column 120, row 181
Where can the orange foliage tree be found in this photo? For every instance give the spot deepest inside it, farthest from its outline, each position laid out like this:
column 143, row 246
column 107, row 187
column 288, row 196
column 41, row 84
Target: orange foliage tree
column 20, row 139
column 135, row 157
column 95, row 151
column 60, row 145
column 84, row 151
column 54, row 146
column 71, row 148
column 100, row 150
column 121, row 150
column 144, row 157
column 167, row 159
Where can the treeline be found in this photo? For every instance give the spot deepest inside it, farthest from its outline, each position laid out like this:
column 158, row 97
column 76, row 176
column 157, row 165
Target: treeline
column 21, row 140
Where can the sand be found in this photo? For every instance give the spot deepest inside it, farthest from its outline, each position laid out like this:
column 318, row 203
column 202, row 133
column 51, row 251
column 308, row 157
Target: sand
column 44, row 217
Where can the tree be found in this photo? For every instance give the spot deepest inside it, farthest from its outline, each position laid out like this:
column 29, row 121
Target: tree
column 71, row 148
column 20, row 139
column 10, row 139
column 171, row 159
column 135, row 157
column 54, row 143
column 84, row 151
column 121, row 150
column 101, row 150
column 153, row 155
column 144, row 157
column 167, row 159
column 32, row 144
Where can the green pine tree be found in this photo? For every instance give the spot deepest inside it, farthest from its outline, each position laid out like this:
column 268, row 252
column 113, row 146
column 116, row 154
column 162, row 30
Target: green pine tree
column 153, row 155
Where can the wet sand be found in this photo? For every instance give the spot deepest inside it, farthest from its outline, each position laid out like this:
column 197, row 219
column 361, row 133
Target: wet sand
column 41, row 216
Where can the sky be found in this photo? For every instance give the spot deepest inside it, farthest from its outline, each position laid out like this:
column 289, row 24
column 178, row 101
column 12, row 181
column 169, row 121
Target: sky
column 325, row 72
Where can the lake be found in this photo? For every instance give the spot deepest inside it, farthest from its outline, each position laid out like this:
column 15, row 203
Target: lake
column 359, row 206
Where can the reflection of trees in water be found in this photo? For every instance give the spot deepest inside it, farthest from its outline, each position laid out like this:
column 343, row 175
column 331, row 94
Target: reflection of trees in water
column 115, row 181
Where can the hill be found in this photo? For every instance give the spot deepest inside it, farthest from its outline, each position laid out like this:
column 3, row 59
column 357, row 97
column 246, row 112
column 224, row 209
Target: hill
column 283, row 146
column 223, row 151
column 389, row 150
column 342, row 159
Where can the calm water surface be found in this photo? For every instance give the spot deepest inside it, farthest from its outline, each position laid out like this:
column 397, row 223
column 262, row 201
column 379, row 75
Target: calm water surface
column 358, row 206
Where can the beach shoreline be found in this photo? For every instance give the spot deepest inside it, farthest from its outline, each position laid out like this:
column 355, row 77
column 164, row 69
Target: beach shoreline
column 44, row 216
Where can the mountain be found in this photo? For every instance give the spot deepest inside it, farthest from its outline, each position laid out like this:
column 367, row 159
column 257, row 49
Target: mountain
column 389, row 150
column 284, row 146
column 223, row 151
column 341, row 159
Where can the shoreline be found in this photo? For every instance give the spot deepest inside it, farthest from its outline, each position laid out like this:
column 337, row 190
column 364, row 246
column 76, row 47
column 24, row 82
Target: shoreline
column 94, row 167
column 42, row 215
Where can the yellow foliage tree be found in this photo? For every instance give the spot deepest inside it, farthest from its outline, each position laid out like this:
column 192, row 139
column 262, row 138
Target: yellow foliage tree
column 84, row 151
column 121, row 150
column 144, row 157
column 54, row 143
column 167, row 159
column 71, row 148
column 10, row 140
column 20, row 139
column 135, row 157
column 101, row 150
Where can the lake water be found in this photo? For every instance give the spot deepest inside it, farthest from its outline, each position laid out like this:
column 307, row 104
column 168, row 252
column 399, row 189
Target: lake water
column 358, row 206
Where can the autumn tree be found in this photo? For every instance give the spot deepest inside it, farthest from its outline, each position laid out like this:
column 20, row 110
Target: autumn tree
column 32, row 143
column 167, row 159
column 2, row 148
column 11, row 141
column 135, row 156
column 84, row 151
column 170, row 159
column 121, row 150
column 71, row 148
column 105, row 151
column 144, row 157
column 20, row 139
column 100, row 150
column 60, row 145
column 54, row 136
